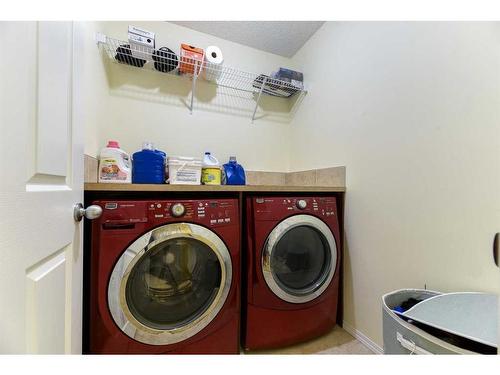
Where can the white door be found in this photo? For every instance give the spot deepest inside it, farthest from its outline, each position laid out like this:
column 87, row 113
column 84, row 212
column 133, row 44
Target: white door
column 41, row 178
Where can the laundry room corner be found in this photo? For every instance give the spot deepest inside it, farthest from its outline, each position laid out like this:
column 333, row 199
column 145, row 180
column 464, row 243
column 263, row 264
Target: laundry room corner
column 397, row 117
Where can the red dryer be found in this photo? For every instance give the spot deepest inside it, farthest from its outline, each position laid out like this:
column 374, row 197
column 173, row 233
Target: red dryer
column 293, row 260
column 165, row 277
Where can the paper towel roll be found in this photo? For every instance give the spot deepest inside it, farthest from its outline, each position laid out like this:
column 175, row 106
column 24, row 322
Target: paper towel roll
column 213, row 63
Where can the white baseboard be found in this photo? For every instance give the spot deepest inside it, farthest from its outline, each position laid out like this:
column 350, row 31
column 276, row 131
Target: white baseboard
column 361, row 337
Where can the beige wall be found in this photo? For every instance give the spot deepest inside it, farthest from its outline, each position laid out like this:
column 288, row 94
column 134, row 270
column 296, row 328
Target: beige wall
column 131, row 105
column 413, row 111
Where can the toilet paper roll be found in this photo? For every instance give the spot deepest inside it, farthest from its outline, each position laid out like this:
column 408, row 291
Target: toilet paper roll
column 213, row 63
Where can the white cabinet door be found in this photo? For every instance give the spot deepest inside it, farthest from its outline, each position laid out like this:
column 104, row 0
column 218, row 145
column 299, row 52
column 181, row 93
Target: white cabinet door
column 41, row 178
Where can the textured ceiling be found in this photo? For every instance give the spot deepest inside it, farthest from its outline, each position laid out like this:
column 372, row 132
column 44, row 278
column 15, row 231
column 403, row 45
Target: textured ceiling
column 280, row 37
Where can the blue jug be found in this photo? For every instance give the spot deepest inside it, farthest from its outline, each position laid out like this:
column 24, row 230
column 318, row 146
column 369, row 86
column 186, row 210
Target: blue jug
column 148, row 165
column 234, row 174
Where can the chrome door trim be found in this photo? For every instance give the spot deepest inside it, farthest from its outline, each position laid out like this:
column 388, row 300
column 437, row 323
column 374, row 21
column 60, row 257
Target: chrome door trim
column 276, row 234
column 121, row 272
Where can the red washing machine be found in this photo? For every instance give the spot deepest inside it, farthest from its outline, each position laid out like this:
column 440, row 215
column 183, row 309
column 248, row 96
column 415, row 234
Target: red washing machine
column 293, row 261
column 165, row 277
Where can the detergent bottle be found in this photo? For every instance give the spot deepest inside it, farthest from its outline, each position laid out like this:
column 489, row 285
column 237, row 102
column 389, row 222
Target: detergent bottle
column 148, row 165
column 114, row 164
column 210, row 170
column 233, row 173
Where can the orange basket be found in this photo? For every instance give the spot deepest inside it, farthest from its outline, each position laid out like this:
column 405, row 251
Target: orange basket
column 190, row 57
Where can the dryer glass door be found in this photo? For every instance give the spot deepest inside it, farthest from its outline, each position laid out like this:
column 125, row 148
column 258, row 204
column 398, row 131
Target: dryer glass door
column 299, row 258
column 170, row 283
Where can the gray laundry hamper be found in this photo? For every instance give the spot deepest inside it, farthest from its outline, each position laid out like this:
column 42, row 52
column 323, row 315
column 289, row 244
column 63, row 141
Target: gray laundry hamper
column 403, row 337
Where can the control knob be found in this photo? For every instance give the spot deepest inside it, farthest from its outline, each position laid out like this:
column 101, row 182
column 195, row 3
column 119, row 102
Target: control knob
column 178, row 210
column 301, row 204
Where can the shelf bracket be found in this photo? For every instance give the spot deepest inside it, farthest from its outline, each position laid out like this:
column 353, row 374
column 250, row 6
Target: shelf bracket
column 193, row 88
column 258, row 98
column 100, row 38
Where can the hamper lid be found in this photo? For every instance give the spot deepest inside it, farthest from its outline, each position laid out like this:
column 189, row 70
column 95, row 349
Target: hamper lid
column 467, row 314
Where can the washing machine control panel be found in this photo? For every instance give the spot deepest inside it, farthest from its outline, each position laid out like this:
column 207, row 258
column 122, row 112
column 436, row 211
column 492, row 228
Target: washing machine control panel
column 208, row 212
column 272, row 208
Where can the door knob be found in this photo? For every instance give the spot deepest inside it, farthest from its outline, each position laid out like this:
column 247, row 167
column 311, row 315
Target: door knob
column 91, row 212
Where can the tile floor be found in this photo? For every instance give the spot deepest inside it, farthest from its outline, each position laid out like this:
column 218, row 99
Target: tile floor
column 337, row 341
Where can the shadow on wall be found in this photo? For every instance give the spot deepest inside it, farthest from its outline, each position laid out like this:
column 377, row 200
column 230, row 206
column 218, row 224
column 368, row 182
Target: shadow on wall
column 347, row 280
column 169, row 89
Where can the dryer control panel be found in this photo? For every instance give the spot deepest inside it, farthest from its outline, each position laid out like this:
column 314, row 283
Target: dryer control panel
column 210, row 213
column 273, row 208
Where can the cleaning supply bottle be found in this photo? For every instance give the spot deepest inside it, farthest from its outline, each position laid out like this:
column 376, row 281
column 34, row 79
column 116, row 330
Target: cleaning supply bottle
column 114, row 164
column 233, row 173
column 148, row 165
column 210, row 170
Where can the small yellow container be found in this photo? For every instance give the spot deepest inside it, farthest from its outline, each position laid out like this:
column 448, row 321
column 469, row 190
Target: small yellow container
column 211, row 176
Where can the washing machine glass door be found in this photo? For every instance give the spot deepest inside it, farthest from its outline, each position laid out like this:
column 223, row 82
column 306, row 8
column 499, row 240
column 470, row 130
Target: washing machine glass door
column 170, row 283
column 299, row 258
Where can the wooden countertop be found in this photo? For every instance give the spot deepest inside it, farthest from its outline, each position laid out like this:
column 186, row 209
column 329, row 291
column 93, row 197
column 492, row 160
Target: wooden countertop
column 211, row 188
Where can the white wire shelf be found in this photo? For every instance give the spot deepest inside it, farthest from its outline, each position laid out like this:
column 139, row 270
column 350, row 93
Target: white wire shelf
column 168, row 62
